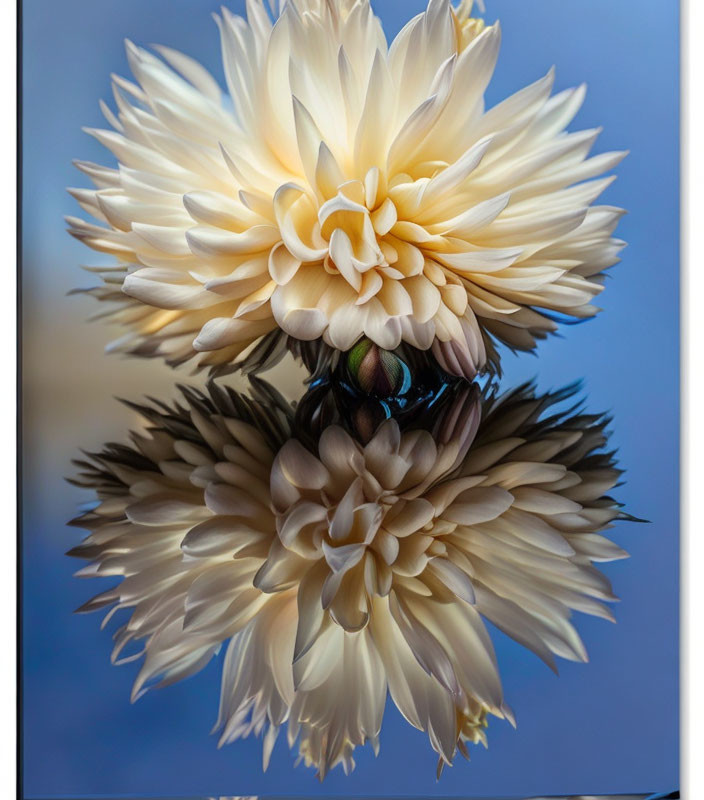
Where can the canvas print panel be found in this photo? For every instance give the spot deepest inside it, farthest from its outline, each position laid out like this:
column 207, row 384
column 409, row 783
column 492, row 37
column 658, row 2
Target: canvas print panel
column 390, row 425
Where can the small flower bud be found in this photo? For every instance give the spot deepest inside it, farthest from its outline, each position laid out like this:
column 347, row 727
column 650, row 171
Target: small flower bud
column 376, row 371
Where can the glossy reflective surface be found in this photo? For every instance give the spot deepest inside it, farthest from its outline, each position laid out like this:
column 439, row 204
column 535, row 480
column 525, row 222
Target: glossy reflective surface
column 350, row 546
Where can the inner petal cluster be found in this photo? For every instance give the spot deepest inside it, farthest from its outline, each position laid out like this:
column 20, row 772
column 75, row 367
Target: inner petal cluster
column 357, row 520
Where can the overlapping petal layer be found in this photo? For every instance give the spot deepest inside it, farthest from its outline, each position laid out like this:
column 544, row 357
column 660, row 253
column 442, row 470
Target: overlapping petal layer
column 345, row 188
column 339, row 571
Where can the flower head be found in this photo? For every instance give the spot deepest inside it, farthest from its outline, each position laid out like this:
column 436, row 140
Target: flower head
column 338, row 571
column 345, row 188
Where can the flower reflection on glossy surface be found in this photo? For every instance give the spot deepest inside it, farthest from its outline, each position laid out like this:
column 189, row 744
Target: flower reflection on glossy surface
column 345, row 189
column 339, row 569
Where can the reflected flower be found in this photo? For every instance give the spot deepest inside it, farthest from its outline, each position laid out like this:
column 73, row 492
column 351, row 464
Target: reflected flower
column 339, row 571
column 343, row 189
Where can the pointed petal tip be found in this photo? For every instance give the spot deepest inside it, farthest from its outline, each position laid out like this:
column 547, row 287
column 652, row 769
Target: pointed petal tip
column 507, row 711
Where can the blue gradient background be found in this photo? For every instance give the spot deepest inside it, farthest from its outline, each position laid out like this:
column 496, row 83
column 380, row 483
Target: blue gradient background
column 607, row 727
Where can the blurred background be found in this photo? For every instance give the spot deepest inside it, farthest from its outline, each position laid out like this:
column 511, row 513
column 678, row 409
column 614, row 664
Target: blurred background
column 607, row 727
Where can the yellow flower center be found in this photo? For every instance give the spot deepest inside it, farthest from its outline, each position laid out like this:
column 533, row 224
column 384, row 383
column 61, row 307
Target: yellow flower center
column 467, row 28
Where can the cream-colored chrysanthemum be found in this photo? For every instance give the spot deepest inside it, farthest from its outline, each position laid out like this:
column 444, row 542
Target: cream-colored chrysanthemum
column 345, row 188
column 340, row 571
